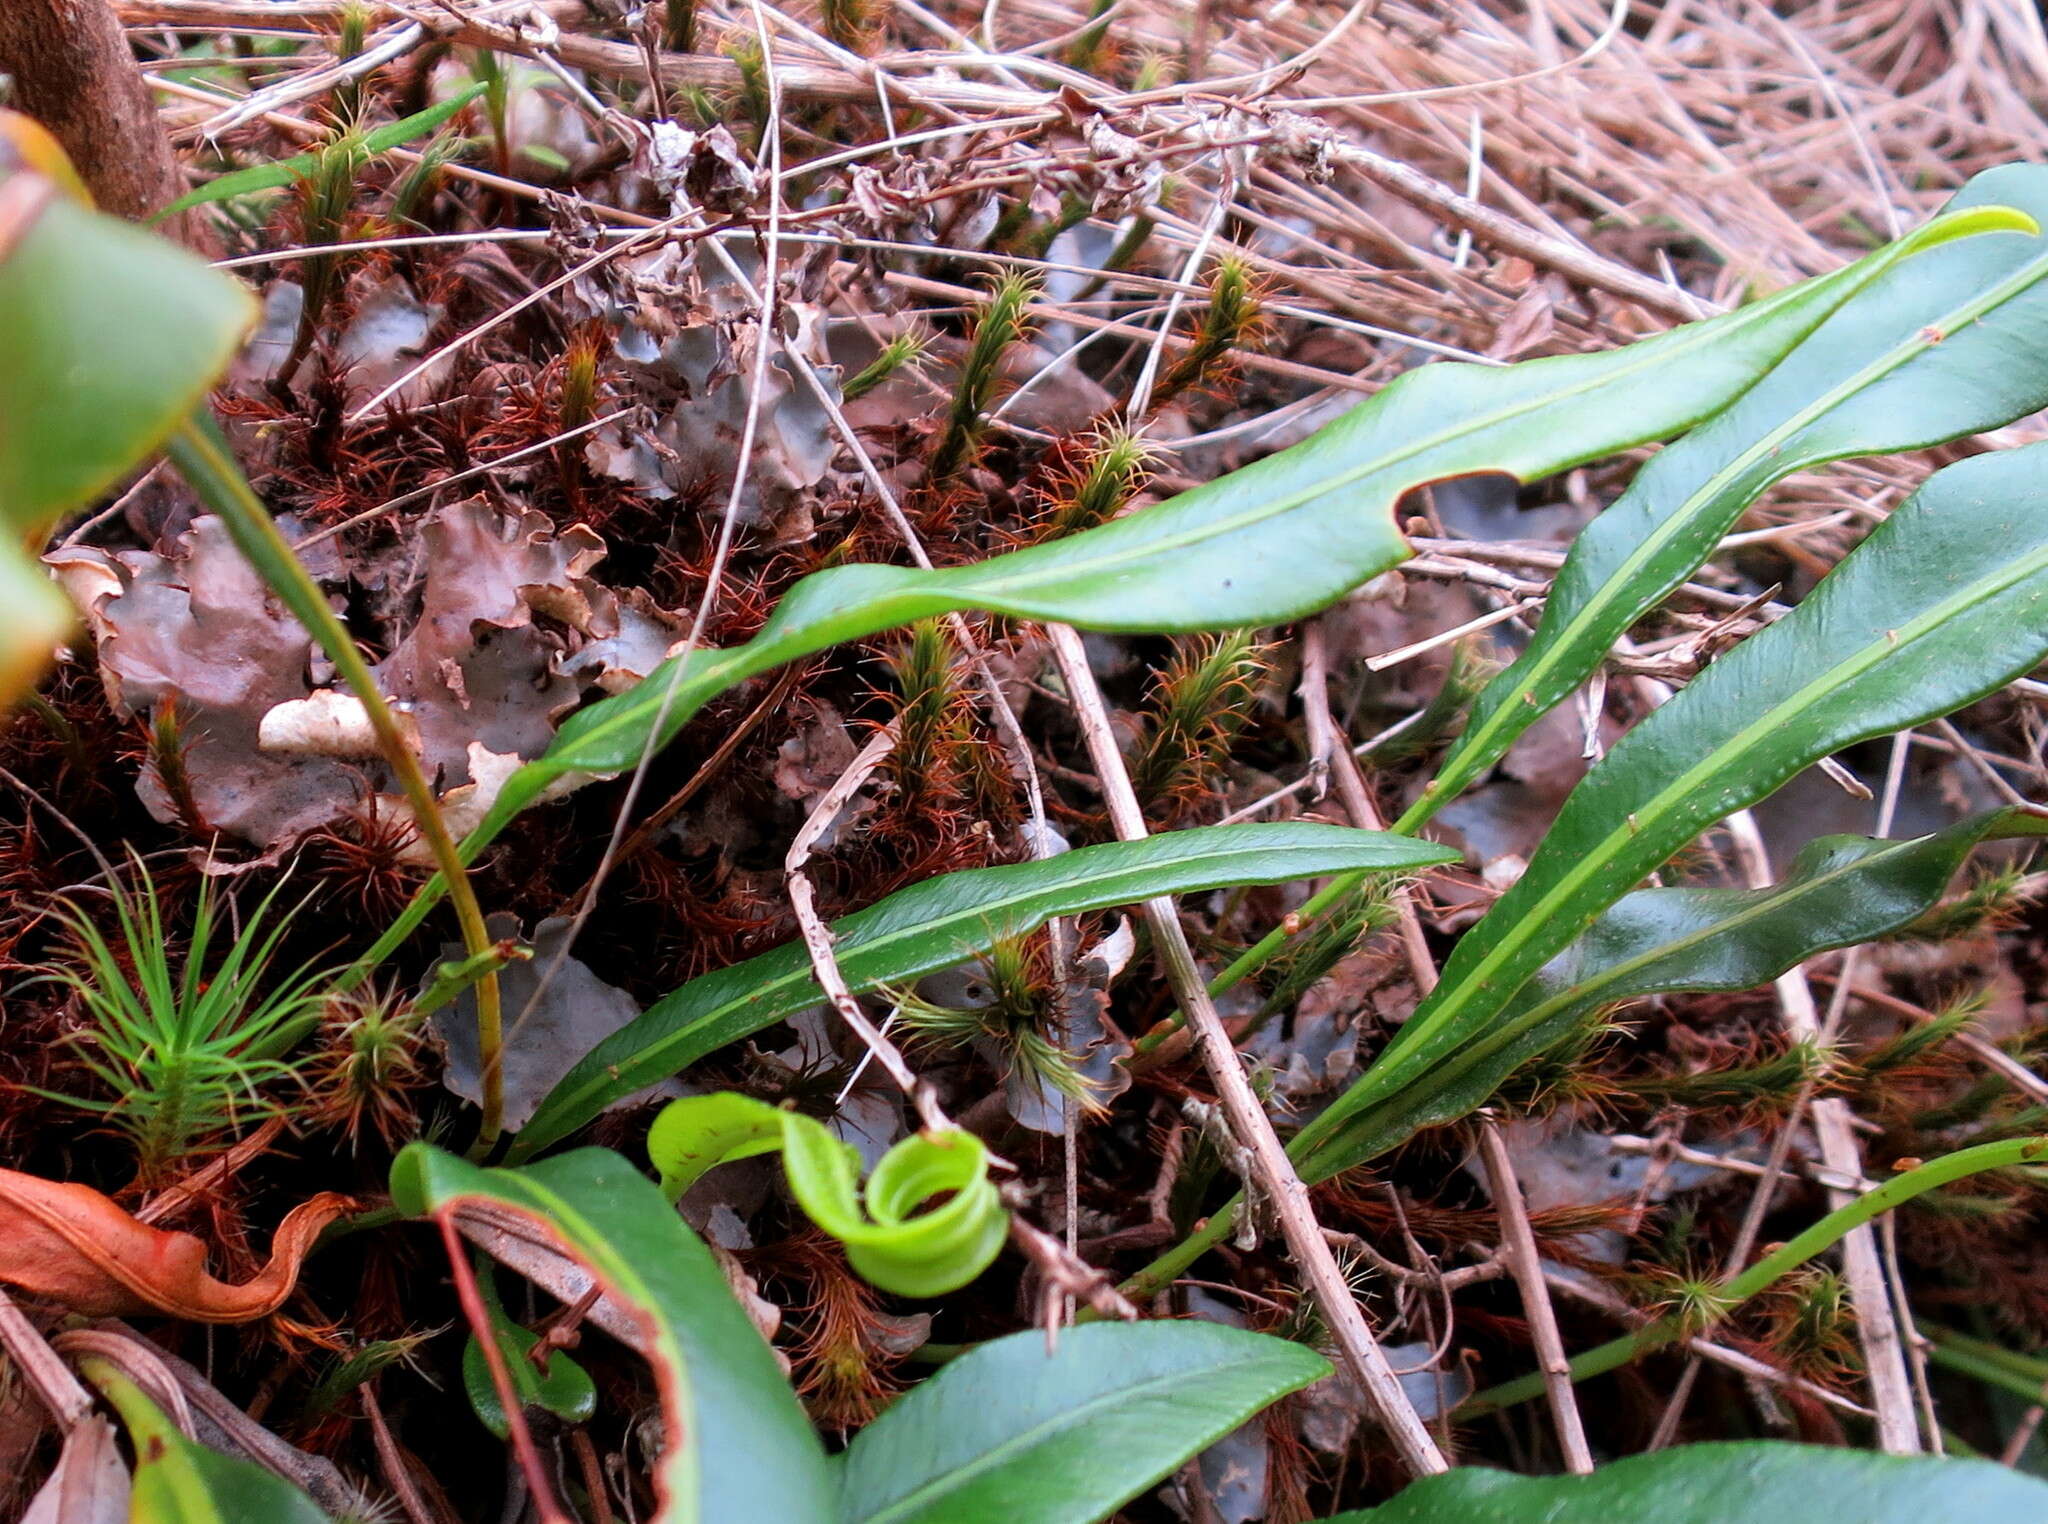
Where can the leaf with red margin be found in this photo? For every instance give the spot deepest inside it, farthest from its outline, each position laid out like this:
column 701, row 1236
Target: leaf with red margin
column 738, row 1443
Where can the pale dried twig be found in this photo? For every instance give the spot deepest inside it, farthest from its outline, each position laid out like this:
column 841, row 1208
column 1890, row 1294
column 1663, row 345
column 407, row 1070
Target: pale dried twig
column 1518, row 1241
column 1248, row 1121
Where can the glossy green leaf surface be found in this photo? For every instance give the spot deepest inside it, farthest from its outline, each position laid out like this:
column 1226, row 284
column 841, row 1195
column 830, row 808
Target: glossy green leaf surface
column 1754, row 1482
column 739, row 1445
column 179, row 1482
column 565, row 1389
column 1009, row 1433
column 1943, row 603
column 1940, row 345
column 1274, row 541
column 108, row 337
column 892, row 1237
column 933, row 925
column 279, row 172
column 1839, row 891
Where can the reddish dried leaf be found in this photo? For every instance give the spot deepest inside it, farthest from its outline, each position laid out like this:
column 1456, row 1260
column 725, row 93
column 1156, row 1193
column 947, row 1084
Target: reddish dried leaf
column 73, row 1245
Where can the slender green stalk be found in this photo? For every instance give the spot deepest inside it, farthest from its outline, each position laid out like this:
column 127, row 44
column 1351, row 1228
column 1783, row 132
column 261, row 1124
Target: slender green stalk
column 1737, row 1289
column 904, row 349
column 1228, row 322
column 679, row 26
column 1162, row 1272
column 450, row 979
column 203, row 458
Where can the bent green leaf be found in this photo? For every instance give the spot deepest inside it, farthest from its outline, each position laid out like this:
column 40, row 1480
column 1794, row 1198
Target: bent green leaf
column 180, row 1482
column 1934, row 348
column 564, row 1389
column 933, row 925
column 1278, row 540
column 279, row 172
column 1011, row 1432
column 892, row 1238
column 1840, row 890
column 1759, row 1481
column 737, row 1444
column 1943, row 603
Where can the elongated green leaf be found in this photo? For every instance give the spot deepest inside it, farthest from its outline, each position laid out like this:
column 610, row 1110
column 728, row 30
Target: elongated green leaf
column 739, row 1446
column 179, row 1482
column 933, row 925
column 108, row 336
column 277, row 172
column 1754, row 1482
column 1840, row 890
column 1277, row 540
column 1943, row 603
column 890, row 1236
column 1008, row 1432
column 1938, row 346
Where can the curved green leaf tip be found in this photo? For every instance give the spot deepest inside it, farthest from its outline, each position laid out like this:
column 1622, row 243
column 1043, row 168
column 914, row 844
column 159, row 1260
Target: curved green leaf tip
column 281, row 172
column 1968, row 223
column 889, row 1238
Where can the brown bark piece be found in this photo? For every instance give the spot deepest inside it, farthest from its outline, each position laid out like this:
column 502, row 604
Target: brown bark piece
column 73, row 73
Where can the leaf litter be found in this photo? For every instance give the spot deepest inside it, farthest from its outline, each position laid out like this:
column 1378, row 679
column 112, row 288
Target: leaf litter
column 198, row 719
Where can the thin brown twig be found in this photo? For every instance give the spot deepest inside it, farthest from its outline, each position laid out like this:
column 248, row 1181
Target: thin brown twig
column 391, row 1460
column 210, row 1176
column 1065, row 1277
column 41, row 1366
column 593, row 1474
column 1504, row 232
column 1519, row 1243
column 817, row 936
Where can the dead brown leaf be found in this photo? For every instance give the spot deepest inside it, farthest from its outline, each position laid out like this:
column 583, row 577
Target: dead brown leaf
column 502, row 631
column 200, row 631
column 75, row 1246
